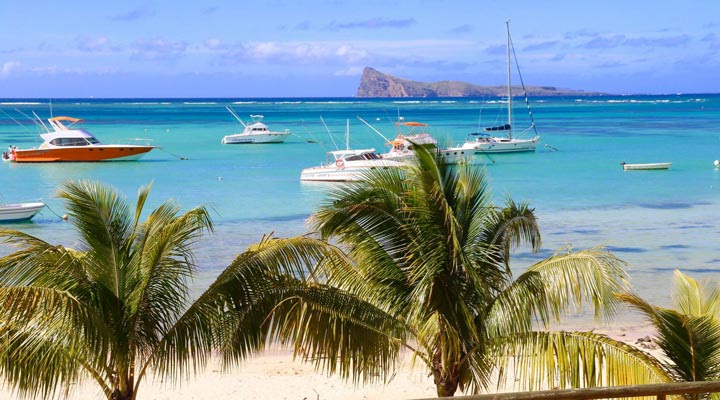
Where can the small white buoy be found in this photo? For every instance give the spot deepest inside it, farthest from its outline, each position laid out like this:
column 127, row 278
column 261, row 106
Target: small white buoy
column 219, row 178
column 716, row 163
column 64, row 217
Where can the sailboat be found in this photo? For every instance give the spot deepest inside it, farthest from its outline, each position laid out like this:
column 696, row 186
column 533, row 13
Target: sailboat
column 485, row 141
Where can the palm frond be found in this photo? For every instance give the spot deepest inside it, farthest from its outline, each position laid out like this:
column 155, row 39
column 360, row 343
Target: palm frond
column 101, row 216
column 164, row 264
column 691, row 342
column 547, row 359
column 592, row 275
column 695, row 298
column 338, row 332
column 231, row 314
column 48, row 338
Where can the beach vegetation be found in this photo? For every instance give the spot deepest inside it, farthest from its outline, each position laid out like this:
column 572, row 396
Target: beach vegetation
column 103, row 309
column 689, row 333
column 414, row 260
column 428, row 270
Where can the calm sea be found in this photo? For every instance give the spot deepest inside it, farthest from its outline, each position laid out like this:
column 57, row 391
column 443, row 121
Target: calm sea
column 655, row 220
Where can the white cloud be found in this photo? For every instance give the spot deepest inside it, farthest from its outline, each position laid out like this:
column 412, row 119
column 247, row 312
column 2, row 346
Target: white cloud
column 350, row 71
column 214, row 43
column 158, row 49
column 351, row 54
column 8, row 68
column 86, row 43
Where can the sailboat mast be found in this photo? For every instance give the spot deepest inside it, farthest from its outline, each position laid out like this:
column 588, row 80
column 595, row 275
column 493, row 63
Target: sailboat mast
column 509, row 83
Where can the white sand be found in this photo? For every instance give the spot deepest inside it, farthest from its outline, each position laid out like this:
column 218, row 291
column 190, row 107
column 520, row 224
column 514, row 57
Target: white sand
column 274, row 375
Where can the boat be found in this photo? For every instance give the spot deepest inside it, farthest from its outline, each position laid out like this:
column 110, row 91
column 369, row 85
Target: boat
column 348, row 165
column 255, row 132
column 487, row 141
column 20, row 211
column 67, row 143
column 648, row 166
column 414, row 134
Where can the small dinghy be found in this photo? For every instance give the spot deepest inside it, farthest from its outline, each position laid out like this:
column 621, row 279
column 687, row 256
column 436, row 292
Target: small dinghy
column 20, row 211
column 648, row 166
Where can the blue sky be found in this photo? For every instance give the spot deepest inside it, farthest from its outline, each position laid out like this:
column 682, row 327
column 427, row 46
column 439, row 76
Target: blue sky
column 283, row 48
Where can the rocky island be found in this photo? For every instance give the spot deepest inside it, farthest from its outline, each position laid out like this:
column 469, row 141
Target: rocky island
column 377, row 84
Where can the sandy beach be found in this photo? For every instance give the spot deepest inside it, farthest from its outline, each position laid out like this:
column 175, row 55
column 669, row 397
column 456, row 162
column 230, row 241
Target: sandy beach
column 275, row 375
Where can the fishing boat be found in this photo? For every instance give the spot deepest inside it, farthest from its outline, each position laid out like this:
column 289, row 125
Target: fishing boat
column 402, row 147
column 255, row 132
column 20, row 211
column 63, row 142
column 649, row 166
column 348, row 165
column 487, row 141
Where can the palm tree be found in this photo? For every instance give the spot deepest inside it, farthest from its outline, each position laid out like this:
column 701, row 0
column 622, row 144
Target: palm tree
column 689, row 334
column 430, row 272
column 117, row 306
column 100, row 310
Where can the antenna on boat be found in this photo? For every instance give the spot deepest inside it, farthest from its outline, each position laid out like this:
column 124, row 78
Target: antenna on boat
column 373, row 128
column 510, row 118
column 236, row 116
column 328, row 131
column 51, row 114
column 16, row 121
column 39, row 120
column 347, row 134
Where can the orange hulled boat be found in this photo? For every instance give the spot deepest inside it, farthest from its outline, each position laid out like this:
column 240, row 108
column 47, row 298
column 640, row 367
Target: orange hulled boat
column 65, row 143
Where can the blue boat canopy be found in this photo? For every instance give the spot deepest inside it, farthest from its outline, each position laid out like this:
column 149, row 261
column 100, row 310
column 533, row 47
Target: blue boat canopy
column 505, row 127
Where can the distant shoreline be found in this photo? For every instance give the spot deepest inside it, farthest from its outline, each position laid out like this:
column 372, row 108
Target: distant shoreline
column 46, row 100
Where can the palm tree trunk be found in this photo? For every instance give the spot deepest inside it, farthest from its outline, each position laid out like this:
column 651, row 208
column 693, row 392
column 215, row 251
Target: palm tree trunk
column 118, row 395
column 446, row 379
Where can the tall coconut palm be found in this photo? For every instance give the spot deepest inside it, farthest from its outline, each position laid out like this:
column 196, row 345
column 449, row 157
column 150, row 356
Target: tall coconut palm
column 689, row 334
column 430, row 272
column 117, row 306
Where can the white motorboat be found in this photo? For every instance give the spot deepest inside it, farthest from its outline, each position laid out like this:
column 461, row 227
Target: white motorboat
column 647, row 166
column 402, row 147
column 485, row 142
column 20, row 211
column 255, row 132
column 348, row 165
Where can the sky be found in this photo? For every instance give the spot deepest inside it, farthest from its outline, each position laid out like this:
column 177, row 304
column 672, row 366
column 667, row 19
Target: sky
column 318, row 48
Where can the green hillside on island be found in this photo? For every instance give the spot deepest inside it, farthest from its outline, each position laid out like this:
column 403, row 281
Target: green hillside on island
column 374, row 83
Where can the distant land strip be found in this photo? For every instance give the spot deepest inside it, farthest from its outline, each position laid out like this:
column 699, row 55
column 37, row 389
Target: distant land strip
column 377, row 84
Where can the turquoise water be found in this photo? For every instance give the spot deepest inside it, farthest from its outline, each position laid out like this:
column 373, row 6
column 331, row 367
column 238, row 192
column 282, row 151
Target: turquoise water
column 655, row 220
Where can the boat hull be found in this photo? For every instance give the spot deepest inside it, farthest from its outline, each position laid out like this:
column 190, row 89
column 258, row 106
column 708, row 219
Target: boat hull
column 455, row 156
column 82, row 153
column 19, row 212
column 502, row 145
column 649, row 166
column 278, row 137
column 346, row 173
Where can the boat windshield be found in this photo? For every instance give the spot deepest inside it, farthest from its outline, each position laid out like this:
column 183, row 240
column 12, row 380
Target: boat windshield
column 74, row 141
column 363, row 156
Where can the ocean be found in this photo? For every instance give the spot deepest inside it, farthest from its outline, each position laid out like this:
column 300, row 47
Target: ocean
column 657, row 221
